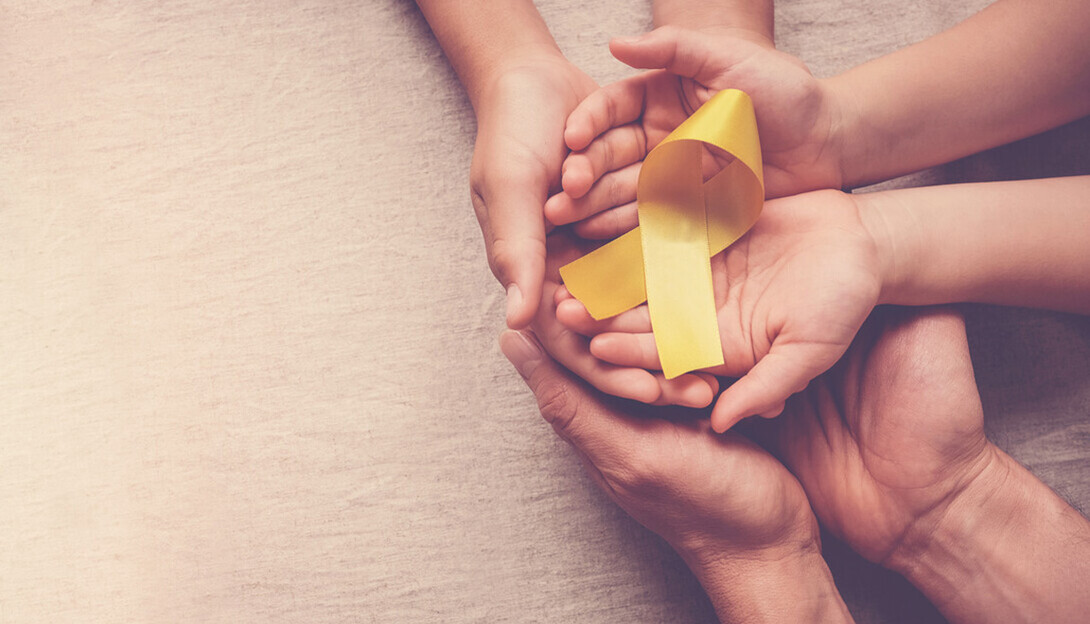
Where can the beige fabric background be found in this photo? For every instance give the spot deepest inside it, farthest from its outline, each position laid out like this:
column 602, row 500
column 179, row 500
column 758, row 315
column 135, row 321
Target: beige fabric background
column 248, row 362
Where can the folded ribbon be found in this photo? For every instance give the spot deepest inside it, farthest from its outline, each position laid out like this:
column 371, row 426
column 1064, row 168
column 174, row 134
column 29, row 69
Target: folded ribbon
column 684, row 220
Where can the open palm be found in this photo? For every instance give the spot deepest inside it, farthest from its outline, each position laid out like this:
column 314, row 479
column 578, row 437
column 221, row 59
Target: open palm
column 884, row 441
column 711, row 497
column 790, row 296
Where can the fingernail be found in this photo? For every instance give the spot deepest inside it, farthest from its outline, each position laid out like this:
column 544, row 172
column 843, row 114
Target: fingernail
column 514, row 300
column 630, row 40
column 521, row 351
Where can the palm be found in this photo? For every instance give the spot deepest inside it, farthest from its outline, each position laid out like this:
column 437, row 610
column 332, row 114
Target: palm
column 704, row 493
column 526, row 130
column 801, row 282
column 891, row 433
column 792, row 116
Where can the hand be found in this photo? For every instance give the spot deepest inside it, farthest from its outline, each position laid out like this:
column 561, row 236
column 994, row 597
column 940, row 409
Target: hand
column 734, row 513
column 516, row 164
column 885, row 441
column 573, row 351
column 890, row 449
column 615, row 127
column 790, row 294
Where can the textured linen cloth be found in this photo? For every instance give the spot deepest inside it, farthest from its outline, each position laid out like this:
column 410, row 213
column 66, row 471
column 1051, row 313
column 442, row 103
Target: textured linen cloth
column 249, row 369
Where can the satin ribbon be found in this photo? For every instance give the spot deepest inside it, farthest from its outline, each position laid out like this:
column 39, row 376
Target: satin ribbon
column 684, row 220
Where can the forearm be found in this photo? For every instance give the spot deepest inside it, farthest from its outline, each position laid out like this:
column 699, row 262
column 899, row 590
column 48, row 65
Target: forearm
column 1007, row 549
column 751, row 19
column 1017, row 68
column 1024, row 243
column 792, row 589
column 481, row 36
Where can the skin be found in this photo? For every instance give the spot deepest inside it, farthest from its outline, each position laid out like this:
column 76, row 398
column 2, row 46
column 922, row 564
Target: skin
column 890, row 451
column 510, row 65
column 890, row 448
column 734, row 513
column 612, row 130
column 790, row 296
column 916, row 108
column 572, row 350
column 793, row 292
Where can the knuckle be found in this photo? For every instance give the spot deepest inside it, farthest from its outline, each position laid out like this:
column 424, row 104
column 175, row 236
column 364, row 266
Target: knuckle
column 558, row 405
column 607, row 153
column 642, row 475
column 508, row 251
column 639, row 141
column 614, row 189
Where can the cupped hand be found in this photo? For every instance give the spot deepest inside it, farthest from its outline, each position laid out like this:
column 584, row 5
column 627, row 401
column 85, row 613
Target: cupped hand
column 791, row 295
column 885, row 441
column 516, row 165
column 573, row 350
column 716, row 499
column 615, row 127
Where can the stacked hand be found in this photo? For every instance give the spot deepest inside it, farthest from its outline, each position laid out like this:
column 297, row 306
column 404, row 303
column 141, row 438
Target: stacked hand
column 887, row 445
column 886, row 441
column 791, row 295
column 734, row 513
column 516, row 164
column 615, row 127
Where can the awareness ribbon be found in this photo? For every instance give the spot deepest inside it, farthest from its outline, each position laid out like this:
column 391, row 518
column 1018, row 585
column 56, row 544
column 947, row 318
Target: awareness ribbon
column 684, row 220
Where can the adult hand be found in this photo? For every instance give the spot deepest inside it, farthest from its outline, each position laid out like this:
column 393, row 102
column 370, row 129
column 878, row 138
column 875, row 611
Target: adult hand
column 733, row 512
column 890, row 449
column 615, row 128
column 516, row 164
column 887, row 439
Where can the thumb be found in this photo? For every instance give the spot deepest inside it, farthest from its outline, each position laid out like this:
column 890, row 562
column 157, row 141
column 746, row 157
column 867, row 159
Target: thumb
column 514, row 227
column 765, row 388
column 682, row 52
column 599, row 433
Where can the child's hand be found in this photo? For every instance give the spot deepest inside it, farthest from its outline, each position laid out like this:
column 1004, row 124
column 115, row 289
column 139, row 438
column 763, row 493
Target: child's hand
column 572, row 350
column 791, row 295
column 616, row 126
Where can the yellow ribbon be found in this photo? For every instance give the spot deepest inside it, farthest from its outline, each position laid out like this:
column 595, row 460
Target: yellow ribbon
column 683, row 222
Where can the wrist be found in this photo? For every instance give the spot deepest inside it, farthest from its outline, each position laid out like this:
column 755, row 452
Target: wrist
column 897, row 239
column 748, row 32
column 772, row 587
column 850, row 136
column 534, row 64
column 1003, row 547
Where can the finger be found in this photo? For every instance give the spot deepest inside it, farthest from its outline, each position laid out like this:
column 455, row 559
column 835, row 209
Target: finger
column 615, row 188
column 565, row 403
column 774, row 412
column 571, row 350
column 612, row 150
column 632, row 350
column 764, row 389
column 687, row 390
column 682, row 52
column 509, row 209
column 609, row 223
column 573, row 315
column 611, row 106
column 603, row 436
column 561, row 294
column 629, row 382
